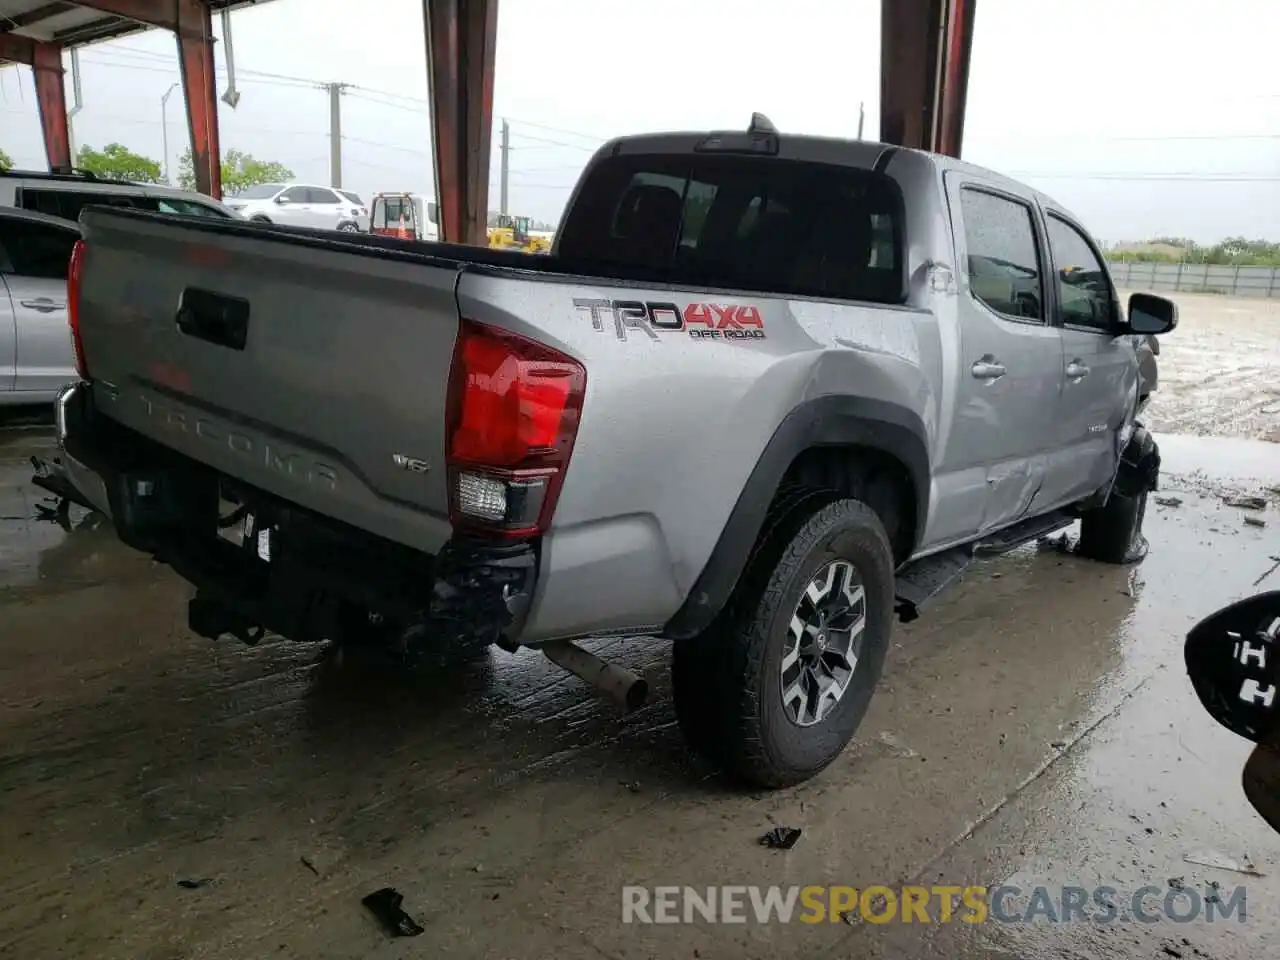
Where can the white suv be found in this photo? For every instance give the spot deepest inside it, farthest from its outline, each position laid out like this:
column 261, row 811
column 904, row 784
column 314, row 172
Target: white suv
column 302, row 205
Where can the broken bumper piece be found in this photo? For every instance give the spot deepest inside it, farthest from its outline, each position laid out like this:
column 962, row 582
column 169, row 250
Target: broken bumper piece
column 314, row 578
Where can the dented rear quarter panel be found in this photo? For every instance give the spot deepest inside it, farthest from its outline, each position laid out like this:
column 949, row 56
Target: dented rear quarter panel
column 674, row 423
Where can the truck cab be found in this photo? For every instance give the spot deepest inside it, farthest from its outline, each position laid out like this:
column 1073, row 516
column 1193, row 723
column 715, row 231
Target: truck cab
column 406, row 215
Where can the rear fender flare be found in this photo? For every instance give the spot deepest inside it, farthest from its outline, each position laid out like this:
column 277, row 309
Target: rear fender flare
column 821, row 422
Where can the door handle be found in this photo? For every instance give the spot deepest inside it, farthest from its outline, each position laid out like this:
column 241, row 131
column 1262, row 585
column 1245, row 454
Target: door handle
column 988, row 368
column 43, row 304
column 1076, row 370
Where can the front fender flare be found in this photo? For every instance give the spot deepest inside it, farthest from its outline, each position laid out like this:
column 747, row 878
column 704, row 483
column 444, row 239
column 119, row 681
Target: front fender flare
column 827, row 421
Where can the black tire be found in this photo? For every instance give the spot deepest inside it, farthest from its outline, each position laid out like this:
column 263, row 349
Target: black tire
column 348, row 227
column 1113, row 533
column 726, row 682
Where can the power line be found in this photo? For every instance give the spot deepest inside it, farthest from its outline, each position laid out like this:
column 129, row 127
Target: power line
column 1152, row 177
column 1136, row 138
column 552, row 143
column 387, row 146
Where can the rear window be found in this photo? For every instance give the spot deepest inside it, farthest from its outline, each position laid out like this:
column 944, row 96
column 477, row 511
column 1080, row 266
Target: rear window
column 752, row 223
column 69, row 203
column 353, row 197
column 387, row 212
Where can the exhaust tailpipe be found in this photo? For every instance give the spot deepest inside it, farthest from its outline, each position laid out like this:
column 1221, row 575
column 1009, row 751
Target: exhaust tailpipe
column 627, row 688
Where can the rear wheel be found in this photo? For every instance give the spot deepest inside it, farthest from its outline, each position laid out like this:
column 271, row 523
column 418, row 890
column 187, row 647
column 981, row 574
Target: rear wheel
column 776, row 688
column 348, row 228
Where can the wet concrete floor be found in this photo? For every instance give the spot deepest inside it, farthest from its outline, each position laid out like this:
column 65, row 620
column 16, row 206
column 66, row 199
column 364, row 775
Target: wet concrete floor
column 1036, row 728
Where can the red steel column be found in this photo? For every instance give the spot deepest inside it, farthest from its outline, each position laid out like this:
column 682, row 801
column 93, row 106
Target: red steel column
column 194, row 33
column 45, row 61
column 462, row 38
column 192, row 24
column 954, row 94
column 925, row 48
column 51, row 96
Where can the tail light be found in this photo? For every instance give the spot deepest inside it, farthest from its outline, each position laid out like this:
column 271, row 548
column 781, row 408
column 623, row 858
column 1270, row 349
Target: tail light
column 514, row 406
column 74, row 267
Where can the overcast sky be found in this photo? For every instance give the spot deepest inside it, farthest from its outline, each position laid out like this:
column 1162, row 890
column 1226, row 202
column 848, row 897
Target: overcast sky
column 1097, row 102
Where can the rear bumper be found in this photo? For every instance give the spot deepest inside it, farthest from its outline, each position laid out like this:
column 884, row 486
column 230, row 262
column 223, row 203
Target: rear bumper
column 315, row 573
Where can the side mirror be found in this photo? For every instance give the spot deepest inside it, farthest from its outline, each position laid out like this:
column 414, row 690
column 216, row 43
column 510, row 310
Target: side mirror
column 282, row 199
column 1150, row 314
column 1233, row 660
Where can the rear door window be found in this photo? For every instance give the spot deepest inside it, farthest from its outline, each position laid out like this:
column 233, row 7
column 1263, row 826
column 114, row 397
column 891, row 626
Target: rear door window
column 35, row 249
column 321, row 195
column 1004, row 260
column 752, row 223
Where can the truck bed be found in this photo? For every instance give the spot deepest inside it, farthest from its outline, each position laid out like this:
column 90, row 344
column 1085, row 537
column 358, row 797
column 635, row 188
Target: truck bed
column 284, row 357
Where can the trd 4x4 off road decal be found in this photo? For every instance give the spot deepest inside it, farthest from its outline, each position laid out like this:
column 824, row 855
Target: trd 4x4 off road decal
column 701, row 321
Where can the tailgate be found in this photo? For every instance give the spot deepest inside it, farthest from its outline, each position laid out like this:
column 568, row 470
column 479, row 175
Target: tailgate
column 311, row 368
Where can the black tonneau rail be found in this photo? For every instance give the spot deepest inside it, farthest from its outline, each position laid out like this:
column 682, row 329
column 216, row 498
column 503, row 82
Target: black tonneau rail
column 417, row 251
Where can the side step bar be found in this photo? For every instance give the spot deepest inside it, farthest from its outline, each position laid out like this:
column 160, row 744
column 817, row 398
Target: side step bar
column 922, row 582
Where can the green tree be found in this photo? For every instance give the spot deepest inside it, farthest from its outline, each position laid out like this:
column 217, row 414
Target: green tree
column 239, row 170
column 5, row 162
column 117, row 162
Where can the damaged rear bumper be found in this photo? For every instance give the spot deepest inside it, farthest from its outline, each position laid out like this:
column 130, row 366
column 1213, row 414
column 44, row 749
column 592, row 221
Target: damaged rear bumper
column 285, row 569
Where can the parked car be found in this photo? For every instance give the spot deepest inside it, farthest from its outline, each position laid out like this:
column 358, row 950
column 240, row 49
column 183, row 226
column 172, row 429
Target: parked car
column 302, row 205
column 752, row 401
column 410, row 214
column 35, row 348
column 66, row 194
column 362, row 211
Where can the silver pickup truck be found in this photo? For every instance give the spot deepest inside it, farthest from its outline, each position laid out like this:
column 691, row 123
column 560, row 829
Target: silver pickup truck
column 767, row 393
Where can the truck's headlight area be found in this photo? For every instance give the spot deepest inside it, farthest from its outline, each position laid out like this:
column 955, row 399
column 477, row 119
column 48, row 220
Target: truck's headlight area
column 514, row 406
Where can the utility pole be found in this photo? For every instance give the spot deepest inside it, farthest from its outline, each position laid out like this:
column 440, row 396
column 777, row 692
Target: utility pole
column 862, row 116
column 506, row 166
column 77, row 104
column 164, row 128
column 335, row 133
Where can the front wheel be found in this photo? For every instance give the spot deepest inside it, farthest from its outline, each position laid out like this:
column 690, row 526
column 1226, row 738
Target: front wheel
column 776, row 688
column 1112, row 533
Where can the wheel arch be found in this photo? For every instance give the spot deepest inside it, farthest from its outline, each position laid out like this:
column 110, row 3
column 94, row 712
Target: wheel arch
column 824, row 431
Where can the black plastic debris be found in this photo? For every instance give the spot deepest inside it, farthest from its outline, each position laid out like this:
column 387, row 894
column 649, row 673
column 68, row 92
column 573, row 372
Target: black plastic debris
column 1246, row 503
column 781, row 838
column 195, row 884
column 385, row 905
